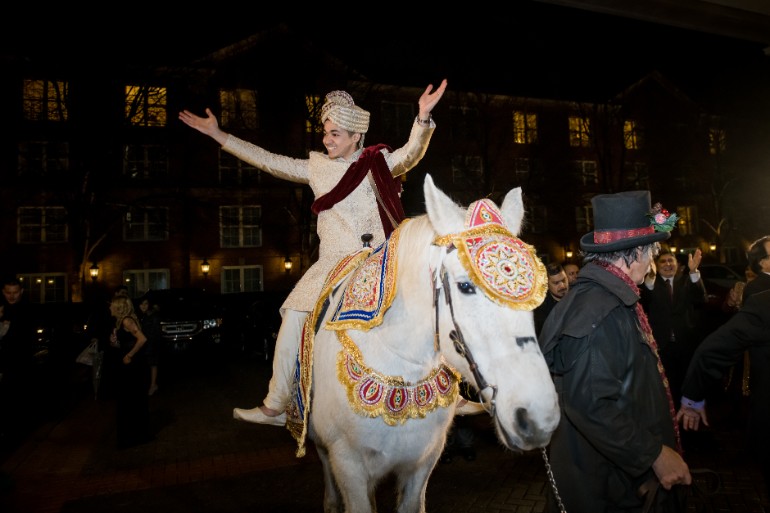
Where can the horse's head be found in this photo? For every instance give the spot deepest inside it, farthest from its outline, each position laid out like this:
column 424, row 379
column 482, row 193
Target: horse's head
column 488, row 282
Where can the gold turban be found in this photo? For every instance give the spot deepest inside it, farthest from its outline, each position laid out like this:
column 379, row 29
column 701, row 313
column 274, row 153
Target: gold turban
column 342, row 111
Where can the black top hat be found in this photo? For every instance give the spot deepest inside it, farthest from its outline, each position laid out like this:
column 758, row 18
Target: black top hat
column 622, row 221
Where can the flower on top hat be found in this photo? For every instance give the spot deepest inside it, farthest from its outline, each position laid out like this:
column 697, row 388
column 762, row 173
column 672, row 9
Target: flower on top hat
column 661, row 219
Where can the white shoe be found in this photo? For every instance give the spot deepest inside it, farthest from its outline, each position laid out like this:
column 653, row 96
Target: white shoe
column 256, row 416
column 465, row 407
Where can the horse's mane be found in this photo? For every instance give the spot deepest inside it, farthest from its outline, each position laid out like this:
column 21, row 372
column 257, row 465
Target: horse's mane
column 416, row 236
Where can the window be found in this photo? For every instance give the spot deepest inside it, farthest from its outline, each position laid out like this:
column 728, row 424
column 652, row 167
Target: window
column 45, row 288
column 467, row 170
column 239, row 227
column 139, row 281
column 524, row 127
column 587, row 171
column 145, row 161
column 687, row 218
column 465, row 124
column 146, row 105
column 45, row 100
column 234, row 171
column 584, row 219
column 146, row 224
column 521, row 168
column 313, row 123
column 245, row 278
column 579, row 132
column 42, row 224
column 637, row 175
column 397, row 119
column 239, row 108
column 717, row 141
column 538, row 218
column 632, row 135
column 43, row 158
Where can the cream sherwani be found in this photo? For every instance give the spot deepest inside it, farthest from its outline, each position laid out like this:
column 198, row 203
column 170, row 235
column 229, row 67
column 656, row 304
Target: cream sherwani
column 339, row 229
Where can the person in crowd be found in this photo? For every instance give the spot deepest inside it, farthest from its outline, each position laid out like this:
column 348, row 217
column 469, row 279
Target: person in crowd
column 748, row 329
column 558, row 285
column 461, row 437
column 150, row 318
column 572, row 269
column 132, row 402
column 348, row 206
column 617, row 430
column 17, row 359
column 673, row 301
column 759, row 262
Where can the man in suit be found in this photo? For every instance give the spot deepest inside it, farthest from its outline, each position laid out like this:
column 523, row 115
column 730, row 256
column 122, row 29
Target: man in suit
column 558, row 285
column 671, row 299
column 759, row 263
column 748, row 329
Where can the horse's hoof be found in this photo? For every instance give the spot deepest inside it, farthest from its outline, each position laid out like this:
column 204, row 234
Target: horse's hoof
column 256, row 416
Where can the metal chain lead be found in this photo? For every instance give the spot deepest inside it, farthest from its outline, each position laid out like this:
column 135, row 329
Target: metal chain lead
column 551, row 480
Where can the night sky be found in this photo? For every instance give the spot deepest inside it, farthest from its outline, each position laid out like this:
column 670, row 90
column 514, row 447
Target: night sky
column 532, row 49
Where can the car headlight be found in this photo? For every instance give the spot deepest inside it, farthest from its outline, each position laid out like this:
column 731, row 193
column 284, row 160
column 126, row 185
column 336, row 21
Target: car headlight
column 210, row 323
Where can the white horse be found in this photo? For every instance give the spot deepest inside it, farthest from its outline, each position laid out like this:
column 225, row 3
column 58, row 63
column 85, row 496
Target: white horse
column 383, row 398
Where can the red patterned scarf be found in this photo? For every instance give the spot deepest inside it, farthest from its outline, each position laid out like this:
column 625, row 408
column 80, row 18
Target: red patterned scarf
column 388, row 188
column 644, row 323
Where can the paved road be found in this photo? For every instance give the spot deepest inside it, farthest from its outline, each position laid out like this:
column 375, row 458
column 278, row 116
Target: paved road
column 203, row 461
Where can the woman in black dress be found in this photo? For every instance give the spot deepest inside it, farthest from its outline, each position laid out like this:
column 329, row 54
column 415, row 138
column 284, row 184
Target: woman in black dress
column 132, row 406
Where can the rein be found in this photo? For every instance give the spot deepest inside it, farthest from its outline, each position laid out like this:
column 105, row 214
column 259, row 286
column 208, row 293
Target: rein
column 456, row 335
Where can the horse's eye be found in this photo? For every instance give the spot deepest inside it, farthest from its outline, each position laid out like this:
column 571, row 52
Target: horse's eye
column 466, row 287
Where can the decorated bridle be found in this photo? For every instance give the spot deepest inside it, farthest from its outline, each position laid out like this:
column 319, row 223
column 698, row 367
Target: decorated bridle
column 502, row 265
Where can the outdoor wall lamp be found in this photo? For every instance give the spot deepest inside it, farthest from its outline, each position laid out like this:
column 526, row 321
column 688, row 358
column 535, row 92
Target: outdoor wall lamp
column 94, row 271
column 287, row 264
column 712, row 247
column 673, row 249
column 205, row 268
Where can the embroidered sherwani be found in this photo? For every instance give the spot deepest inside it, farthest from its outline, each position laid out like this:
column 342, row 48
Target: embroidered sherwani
column 339, row 229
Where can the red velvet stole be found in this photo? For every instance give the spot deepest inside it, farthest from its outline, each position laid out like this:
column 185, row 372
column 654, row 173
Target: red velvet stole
column 388, row 187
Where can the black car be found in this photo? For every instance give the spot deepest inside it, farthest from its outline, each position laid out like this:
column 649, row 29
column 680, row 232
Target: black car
column 191, row 319
column 251, row 321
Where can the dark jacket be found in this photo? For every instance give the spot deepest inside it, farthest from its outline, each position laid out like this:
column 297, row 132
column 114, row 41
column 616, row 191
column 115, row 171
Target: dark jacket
column 677, row 315
column 758, row 284
column 749, row 328
column 542, row 311
column 615, row 410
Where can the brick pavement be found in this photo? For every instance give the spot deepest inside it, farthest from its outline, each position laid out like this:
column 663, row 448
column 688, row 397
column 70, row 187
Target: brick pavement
column 203, row 461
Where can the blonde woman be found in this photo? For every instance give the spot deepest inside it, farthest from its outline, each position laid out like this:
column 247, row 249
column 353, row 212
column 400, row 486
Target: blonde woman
column 133, row 374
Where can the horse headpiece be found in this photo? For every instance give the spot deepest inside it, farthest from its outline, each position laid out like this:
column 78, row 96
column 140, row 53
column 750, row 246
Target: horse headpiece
column 502, row 265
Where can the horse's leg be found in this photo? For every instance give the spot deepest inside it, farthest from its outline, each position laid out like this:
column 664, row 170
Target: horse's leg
column 357, row 486
column 413, row 485
column 332, row 502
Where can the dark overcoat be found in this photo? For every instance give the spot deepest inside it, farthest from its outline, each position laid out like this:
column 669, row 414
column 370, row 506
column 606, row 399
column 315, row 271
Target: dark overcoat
column 615, row 410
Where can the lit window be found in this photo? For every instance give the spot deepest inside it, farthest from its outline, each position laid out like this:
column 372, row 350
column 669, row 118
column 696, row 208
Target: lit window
column 139, row 281
column 632, row 135
column 239, row 108
column 146, row 105
column 240, row 226
column 45, row 288
column 524, row 127
column 717, row 141
column 579, row 132
column 42, row 224
column 46, row 100
column 145, row 224
column 687, row 218
column 245, row 278
column 313, row 123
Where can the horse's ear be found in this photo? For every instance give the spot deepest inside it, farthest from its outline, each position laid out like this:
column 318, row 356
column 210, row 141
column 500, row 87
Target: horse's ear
column 445, row 215
column 513, row 210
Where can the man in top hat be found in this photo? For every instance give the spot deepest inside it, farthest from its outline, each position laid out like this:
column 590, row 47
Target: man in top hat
column 357, row 191
column 617, row 436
